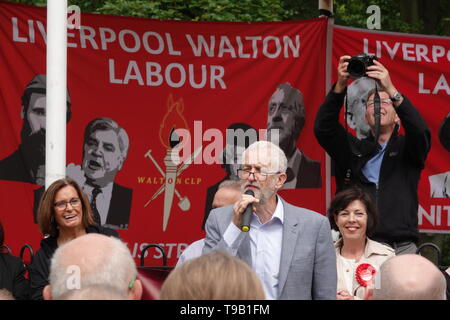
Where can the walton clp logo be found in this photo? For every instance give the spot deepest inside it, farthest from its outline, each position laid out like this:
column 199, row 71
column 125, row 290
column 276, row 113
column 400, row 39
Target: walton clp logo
column 172, row 120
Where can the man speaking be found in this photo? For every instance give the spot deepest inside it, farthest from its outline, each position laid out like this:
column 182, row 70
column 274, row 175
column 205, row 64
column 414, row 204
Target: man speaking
column 290, row 248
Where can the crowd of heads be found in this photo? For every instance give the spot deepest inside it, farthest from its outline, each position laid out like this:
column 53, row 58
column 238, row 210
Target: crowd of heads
column 95, row 266
column 102, row 267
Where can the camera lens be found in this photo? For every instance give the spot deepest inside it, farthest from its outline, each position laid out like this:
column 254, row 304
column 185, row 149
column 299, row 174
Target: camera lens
column 356, row 68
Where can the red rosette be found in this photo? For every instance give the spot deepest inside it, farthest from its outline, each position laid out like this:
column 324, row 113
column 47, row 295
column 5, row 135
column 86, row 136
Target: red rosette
column 365, row 274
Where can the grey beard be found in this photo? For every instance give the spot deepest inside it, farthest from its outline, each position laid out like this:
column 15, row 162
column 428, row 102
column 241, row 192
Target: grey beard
column 32, row 150
column 265, row 196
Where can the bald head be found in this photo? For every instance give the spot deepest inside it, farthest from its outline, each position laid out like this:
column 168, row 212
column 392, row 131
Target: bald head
column 87, row 252
column 410, row 277
column 6, row 295
column 229, row 192
column 95, row 293
column 91, row 261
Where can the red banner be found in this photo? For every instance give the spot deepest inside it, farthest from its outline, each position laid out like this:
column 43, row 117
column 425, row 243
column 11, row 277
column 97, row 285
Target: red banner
column 150, row 77
column 419, row 68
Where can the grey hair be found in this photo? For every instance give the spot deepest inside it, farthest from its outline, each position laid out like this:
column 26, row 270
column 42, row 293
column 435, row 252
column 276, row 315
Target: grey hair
column 232, row 184
column 112, row 265
column 109, row 124
column 294, row 95
column 278, row 160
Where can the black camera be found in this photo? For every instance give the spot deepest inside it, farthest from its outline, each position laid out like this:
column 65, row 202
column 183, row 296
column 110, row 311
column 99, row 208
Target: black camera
column 357, row 65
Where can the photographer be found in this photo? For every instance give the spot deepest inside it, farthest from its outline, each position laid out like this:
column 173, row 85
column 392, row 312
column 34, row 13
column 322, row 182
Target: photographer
column 389, row 168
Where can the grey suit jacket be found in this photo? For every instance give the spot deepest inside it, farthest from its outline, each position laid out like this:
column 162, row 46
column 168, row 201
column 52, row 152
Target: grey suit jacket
column 308, row 259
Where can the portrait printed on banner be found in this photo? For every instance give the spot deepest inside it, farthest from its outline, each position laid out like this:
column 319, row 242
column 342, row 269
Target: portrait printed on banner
column 440, row 183
column 105, row 148
column 238, row 137
column 285, row 121
column 27, row 163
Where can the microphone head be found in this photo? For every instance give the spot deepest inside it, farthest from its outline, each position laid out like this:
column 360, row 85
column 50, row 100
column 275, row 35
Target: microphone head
column 249, row 192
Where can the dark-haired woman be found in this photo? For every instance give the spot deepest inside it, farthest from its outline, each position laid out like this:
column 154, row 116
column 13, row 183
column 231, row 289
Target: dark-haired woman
column 64, row 214
column 353, row 213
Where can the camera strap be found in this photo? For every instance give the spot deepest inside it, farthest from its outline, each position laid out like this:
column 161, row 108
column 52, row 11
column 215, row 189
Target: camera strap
column 355, row 151
column 377, row 114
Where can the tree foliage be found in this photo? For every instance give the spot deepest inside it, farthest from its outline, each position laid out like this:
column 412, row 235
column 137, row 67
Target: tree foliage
column 197, row 10
column 409, row 16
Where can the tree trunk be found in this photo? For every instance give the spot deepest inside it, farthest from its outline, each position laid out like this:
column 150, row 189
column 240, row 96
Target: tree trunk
column 446, row 21
column 430, row 11
column 409, row 10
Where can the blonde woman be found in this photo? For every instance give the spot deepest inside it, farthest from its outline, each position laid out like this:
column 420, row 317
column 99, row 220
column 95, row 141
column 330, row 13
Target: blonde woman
column 214, row 276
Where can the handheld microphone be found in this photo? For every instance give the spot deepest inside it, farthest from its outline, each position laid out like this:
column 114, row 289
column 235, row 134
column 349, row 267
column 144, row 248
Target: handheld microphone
column 247, row 216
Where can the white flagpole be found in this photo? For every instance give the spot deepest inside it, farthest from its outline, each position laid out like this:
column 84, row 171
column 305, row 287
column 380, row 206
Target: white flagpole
column 55, row 141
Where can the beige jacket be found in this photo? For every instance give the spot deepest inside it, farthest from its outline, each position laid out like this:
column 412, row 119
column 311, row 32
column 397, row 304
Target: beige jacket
column 375, row 254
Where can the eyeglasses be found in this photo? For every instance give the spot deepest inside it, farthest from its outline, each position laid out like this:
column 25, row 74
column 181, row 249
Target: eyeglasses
column 384, row 101
column 62, row 205
column 260, row 176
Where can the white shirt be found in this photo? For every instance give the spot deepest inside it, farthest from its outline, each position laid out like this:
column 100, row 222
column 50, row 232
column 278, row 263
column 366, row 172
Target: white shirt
column 194, row 250
column 265, row 245
column 349, row 268
column 103, row 200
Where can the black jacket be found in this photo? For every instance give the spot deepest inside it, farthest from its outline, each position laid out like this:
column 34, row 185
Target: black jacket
column 12, row 276
column 40, row 267
column 396, row 195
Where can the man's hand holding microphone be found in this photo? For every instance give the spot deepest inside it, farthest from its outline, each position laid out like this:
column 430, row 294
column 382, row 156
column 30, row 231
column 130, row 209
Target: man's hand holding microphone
column 243, row 210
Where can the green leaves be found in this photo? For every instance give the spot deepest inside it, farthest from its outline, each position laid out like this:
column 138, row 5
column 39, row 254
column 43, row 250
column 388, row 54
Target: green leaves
column 410, row 16
column 197, row 10
column 212, row 10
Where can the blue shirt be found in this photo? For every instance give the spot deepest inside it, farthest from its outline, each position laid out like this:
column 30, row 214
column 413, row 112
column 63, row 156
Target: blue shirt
column 371, row 169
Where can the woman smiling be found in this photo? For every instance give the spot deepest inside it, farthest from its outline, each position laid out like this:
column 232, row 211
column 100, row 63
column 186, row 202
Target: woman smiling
column 64, row 214
column 353, row 213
